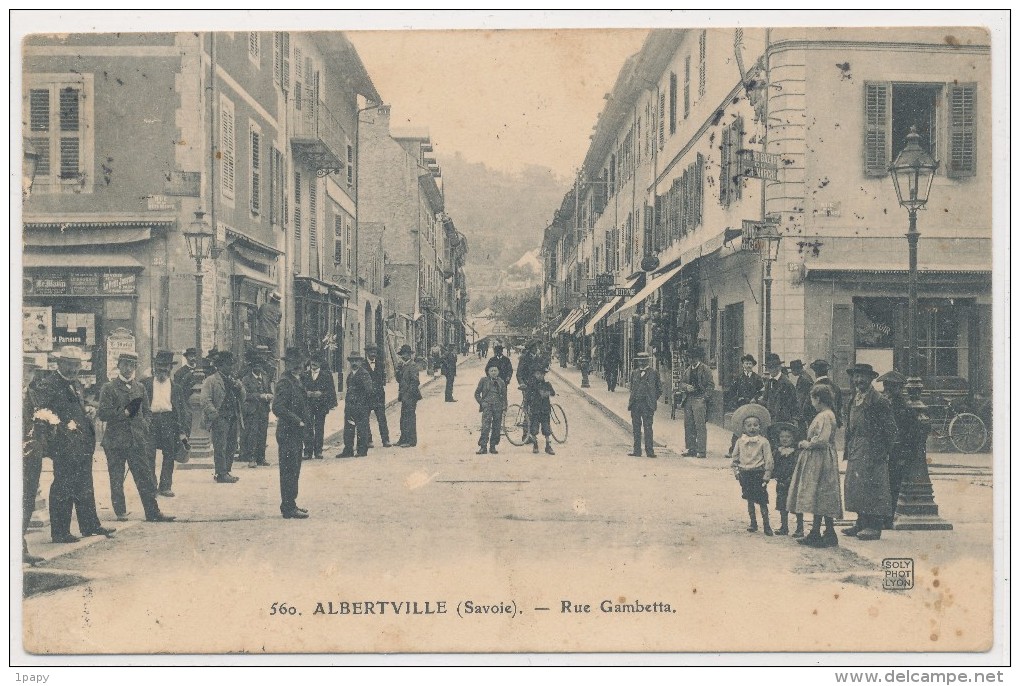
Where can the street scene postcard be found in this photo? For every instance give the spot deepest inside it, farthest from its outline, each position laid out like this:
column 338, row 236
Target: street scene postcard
column 682, row 337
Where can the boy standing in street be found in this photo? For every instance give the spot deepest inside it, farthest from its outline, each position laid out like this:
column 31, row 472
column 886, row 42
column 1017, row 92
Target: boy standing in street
column 537, row 397
column 491, row 397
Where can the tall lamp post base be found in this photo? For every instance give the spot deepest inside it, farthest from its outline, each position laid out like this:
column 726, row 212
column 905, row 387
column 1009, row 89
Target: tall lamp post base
column 915, row 508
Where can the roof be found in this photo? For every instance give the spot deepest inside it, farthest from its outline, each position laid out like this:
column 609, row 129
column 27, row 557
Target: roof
column 336, row 46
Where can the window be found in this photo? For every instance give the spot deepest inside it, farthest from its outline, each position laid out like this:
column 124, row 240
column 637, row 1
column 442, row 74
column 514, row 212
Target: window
column 687, row 86
column 298, row 78
column 338, row 240
column 350, row 165
column 702, row 65
column 662, row 120
column 256, row 168
column 672, row 103
column 275, row 185
column 297, row 205
column 60, row 118
column 255, row 47
column 226, row 147
column 890, row 109
column 349, row 230
column 313, row 214
column 612, row 174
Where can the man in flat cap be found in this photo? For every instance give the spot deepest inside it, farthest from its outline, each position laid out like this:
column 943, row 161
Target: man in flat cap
column 358, row 398
column 222, row 399
column 258, row 395
column 66, row 427
column 321, row 393
column 377, row 369
column 290, row 405
column 124, row 406
column 168, row 435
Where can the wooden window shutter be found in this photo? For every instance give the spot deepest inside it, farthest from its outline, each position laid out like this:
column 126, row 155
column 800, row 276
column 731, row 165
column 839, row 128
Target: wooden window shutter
column 297, row 205
column 285, row 74
column 877, row 104
column 277, row 57
column 962, row 130
column 662, row 120
column 256, row 171
column 338, row 240
column 724, row 168
column 226, row 147
column 699, row 187
column 736, row 143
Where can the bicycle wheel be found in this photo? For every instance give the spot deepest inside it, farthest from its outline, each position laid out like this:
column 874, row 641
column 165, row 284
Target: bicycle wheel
column 558, row 424
column 968, row 432
column 513, row 424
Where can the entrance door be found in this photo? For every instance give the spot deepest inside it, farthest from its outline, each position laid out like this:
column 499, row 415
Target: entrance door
column 732, row 343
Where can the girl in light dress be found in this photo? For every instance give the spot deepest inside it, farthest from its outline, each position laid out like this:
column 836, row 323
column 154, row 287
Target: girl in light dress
column 814, row 486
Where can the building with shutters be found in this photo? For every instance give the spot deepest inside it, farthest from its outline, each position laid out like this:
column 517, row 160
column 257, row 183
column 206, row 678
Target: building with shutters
column 136, row 133
column 709, row 134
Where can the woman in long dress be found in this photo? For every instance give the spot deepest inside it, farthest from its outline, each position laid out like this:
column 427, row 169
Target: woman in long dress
column 814, row 486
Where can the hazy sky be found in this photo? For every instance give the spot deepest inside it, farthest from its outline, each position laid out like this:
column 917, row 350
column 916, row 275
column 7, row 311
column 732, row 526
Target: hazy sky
column 506, row 98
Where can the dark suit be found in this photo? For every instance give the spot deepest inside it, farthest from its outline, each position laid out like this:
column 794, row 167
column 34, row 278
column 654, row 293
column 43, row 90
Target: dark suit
column 696, row 409
column 127, row 442
column 291, row 409
column 780, row 398
column 449, row 367
column 256, row 417
column 319, row 407
column 870, row 434
column 184, row 387
column 744, row 389
column 34, row 448
column 506, row 368
column 166, row 435
column 909, row 435
column 409, row 393
column 357, row 402
column 71, row 446
column 803, row 386
column 378, row 373
column 645, row 389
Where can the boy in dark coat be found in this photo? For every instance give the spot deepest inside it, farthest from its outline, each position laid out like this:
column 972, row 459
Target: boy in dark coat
column 537, row 398
column 743, row 390
column 492, row 403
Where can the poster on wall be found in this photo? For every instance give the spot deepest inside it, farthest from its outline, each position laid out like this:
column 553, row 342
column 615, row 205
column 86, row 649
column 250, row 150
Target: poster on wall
column 120, row 341
column 36, row 329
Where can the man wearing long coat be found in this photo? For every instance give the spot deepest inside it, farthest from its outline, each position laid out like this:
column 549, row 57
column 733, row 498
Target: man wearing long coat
column 377, row 369
column 358, row 399
column 409, row 393
column 290, row 405
column 870, row 435
column 645, row 389
column 321, row 393
column 779, row 395
column 258, row 394
column 449, row 367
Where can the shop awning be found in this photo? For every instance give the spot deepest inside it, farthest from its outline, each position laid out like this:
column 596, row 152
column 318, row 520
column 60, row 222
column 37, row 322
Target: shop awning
column 589, row 328
column 654, row 284
column 569, row 320
column 242, row 270
column 80, row 261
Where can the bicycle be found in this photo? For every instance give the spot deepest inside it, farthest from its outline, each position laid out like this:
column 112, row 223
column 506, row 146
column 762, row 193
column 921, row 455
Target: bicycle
column 516, row 424
column 965, row 430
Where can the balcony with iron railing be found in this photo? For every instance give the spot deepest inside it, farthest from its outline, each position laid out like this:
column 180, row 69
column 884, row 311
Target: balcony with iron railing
column 317, row 137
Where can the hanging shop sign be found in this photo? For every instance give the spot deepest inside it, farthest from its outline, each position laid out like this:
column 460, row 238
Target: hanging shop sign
column 758, row 165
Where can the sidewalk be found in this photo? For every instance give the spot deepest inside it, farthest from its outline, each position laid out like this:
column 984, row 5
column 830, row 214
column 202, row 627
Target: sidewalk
column 669, row 433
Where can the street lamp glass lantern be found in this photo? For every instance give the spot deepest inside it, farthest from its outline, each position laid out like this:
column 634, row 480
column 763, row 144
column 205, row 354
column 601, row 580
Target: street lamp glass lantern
column 913, row 172
column 200, row 237
column 770, row 239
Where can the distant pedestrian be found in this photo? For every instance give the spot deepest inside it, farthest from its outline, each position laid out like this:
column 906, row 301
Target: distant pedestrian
column 492, row 403
column 68, row 431
column 168, row 435
column 814, row 486
column 612, row 368
column 506, row 367
column 258, row 398
column 409, row 393
column 785, row 458
column 697, row 386
column 376, row 366
column 870, row 434
column 124, row 406
column 222, row 399
column 290, row 405
column 645, row 389
column 358, row 399
column 538, row 399
column 753, row 463
column 742, row 391
column 320, row 390
column 449, row 367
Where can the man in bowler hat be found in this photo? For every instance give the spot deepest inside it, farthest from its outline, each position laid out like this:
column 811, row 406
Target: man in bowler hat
column 870, row 434
column 222, row 401
column 258, row 394
column 744, row 389
column 168, row 435
column 290, row 405
column 124, row 406
column 697, row 385
column 377, row 369
column 321, row 393
column 779, row 395
column 645, row 389
column 409, row 393
column 358, row 399
column 70, row 437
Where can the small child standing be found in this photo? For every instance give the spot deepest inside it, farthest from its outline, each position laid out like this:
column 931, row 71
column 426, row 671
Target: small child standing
column 538, row 401
column 752, row 462
column 491, row 397
column 786, row 459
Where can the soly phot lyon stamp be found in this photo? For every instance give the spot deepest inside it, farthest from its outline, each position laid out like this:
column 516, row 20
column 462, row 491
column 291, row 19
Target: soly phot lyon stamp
column 898, row 573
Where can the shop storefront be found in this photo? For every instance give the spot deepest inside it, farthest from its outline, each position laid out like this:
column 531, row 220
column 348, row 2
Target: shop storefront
column 319, row 322
column 253, row 272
